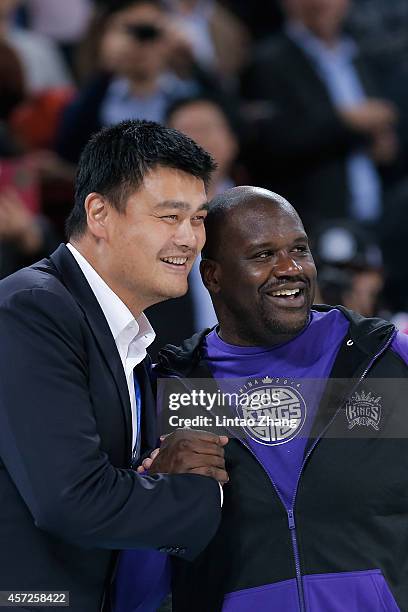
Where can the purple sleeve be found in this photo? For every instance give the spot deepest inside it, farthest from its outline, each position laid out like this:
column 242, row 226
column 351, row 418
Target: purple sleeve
column 400, row 345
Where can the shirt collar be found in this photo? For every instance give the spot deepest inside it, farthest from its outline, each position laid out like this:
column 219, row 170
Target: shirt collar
column 120, row 320
column 345, row 49
column 167, row 84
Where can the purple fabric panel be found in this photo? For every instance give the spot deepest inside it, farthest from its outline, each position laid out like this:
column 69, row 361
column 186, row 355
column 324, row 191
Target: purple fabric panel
column 364, row 591
column 400, row 345
column 282, row 596
column 142, row 581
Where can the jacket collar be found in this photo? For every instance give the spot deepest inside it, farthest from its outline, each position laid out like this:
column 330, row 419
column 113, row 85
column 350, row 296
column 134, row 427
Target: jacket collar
column 182, row 359
column 367, row 334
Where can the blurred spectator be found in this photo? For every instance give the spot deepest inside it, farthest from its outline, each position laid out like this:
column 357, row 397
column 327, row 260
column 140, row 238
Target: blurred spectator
column 260, row 17
column 394, row 238
column 381, row 28
column 35, row 121
column 319, row 128
column 25, row 236
column 42, row 63
column 207, row 122
column 133, row 79
column 63, row 22
column 12, row 87
column 350, row 267
column 218, row 39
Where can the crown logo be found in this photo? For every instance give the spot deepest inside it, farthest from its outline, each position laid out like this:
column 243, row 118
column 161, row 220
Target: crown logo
column 267, row 380
column 366, row 397
column 364, row 409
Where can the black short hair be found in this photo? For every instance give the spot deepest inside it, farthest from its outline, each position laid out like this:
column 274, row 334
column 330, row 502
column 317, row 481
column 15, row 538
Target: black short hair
column 116, row 159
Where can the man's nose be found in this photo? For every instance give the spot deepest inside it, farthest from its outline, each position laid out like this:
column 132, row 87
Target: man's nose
column 185, row 235
column 287, row 266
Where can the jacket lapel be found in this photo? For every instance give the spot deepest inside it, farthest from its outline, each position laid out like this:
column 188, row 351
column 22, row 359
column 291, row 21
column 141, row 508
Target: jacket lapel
column 78, row 286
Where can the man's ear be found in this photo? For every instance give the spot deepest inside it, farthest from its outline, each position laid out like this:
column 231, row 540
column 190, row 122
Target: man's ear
column 210, row 274
column 97, row 212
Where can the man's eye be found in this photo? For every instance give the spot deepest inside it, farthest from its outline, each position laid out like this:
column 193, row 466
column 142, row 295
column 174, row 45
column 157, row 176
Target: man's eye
column 198, row 219
column 170, row 217
column 263, row 255
column 302, row 248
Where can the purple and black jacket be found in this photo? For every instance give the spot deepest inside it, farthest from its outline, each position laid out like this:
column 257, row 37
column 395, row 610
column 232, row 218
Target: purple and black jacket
column 342, row 544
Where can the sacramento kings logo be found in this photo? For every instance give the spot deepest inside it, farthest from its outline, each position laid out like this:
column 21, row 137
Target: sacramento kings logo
column 273, row 410
column 363, row 409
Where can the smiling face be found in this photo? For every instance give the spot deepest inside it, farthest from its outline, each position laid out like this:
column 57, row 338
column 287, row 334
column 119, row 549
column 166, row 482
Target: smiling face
column 263, row 280
column 145, row 253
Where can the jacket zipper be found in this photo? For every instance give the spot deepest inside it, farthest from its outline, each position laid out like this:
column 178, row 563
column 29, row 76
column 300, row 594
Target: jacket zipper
column 292, row 528
column 291, row 511
column 291, row 517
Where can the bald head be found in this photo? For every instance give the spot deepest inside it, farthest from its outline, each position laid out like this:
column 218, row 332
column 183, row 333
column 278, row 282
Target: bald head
column 224, row 207
column 257, row 267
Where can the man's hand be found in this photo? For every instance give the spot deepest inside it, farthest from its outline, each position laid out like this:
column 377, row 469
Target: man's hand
column 146, row 463
column 384, row 148
column 189, row 452
column 371, row 116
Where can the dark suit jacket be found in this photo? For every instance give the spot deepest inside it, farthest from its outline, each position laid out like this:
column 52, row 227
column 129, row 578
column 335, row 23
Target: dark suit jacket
column 68, row 497
column 299, row 145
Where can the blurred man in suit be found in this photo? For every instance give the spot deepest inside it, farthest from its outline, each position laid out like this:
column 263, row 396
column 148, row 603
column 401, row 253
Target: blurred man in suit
column 321, row 131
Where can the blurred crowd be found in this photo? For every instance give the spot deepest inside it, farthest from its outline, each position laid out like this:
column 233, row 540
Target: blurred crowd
column 307, row 98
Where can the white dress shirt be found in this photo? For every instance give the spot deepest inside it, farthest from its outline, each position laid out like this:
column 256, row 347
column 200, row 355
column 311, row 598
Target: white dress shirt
column 132, row 336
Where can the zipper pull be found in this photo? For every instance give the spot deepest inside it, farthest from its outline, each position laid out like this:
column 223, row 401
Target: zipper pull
column 291, row 519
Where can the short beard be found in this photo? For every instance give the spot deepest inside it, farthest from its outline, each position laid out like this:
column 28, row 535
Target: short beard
column 276, row 328
column 266, row 332
column 273, row 331
column 270, row 333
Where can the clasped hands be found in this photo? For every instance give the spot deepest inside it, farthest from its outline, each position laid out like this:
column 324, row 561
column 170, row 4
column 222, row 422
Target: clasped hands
column 187, row 451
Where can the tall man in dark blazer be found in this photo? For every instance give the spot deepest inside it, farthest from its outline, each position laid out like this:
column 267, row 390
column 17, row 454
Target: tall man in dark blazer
column 76, row 408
